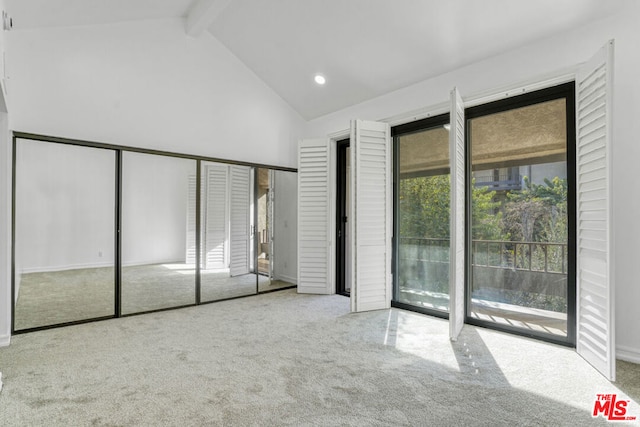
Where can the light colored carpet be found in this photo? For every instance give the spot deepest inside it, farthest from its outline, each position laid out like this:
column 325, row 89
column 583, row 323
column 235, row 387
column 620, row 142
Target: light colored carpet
column 65, row 296
column 267, row 285
column 287, row 359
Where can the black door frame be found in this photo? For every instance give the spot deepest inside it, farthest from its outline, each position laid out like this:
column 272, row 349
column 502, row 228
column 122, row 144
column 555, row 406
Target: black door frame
column 397, row 132
column 341, row 216
column 566, row 91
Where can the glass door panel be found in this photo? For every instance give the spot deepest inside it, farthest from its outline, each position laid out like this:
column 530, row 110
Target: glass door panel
column 64, row 234
column 519, row 218
column 423, row 219
column 158, row 232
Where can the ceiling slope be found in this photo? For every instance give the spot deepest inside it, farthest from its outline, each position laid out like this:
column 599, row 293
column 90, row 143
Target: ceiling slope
column 364, row 48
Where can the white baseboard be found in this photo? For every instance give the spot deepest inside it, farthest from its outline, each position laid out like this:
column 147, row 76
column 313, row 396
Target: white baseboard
column 93, row 265
column 5, row 340
column 628, row 354
column 66, row 267
column 153, row 262
column 287, row 279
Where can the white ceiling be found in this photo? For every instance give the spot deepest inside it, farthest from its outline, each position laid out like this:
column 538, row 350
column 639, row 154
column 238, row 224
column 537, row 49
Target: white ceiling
column 365, row 48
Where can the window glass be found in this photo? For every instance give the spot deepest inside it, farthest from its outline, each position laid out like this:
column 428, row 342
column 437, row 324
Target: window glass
column 519, row 217
column 423, row 219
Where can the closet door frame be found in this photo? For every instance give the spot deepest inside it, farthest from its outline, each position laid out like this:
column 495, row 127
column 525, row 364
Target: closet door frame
column 117, row 176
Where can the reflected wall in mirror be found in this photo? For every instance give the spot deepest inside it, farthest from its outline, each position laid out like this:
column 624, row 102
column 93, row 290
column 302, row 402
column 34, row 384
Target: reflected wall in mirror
column 226, row 270
column 158, row 232
column 66, row 203
column 277, row 229
column 64, row 234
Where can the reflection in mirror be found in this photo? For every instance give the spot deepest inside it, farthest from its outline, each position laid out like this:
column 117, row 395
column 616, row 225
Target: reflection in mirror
column 277, row 229
column 226, row 270
column 158, row 232
column 64, row 234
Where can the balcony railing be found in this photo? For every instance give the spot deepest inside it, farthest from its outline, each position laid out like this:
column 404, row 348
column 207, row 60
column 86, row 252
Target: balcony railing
column 522, row 256
column 505, row 180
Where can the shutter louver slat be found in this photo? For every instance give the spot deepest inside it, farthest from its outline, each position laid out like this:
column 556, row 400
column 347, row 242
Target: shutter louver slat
column 239, row 204
column 371, row 224
column 190, row 257
column 215, row 227
column 595, row 321
column 313, row 217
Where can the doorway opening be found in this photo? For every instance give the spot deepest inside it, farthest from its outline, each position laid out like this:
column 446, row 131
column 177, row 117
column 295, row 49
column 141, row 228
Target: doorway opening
column 343, row 194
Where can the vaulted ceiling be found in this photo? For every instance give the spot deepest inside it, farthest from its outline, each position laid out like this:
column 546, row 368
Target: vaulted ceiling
column 364, row 48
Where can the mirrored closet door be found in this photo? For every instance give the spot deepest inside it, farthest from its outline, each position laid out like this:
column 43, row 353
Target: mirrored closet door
column 226, row 270
column 158, row 232
column 105, row 231
column 64, row 260
column 276, row 201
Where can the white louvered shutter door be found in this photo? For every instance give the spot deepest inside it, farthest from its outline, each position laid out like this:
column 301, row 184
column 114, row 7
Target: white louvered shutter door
column 190, row 257
column 239, row 218
column 314, row 215
column 595, row 340
column 457, row 216
column 371, row 213
column 216, row 232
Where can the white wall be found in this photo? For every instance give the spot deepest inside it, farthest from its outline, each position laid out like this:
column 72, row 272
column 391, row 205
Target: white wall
column 3, row 92
column 285, row 242
column 539, row 60
column 5, row 231
column 146, row 84
column 5, row 203
column 154, row 208
column 65, row 207
column 143, row 84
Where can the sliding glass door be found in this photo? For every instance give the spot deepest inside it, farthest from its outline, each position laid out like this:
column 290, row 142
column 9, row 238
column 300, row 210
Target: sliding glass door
column 422, row 215
column 64, row 234
column 521, row 216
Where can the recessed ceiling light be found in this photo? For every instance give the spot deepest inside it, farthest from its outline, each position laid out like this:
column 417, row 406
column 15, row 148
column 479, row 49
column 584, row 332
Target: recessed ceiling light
column 320, row 79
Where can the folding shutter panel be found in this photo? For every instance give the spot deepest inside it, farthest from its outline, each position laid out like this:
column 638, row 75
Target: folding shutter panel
column 190, row 257
column 371, row 213
column 215, row 240
column 239, row 217
column 457, row 215
column 595, row 313
column 314, row 239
